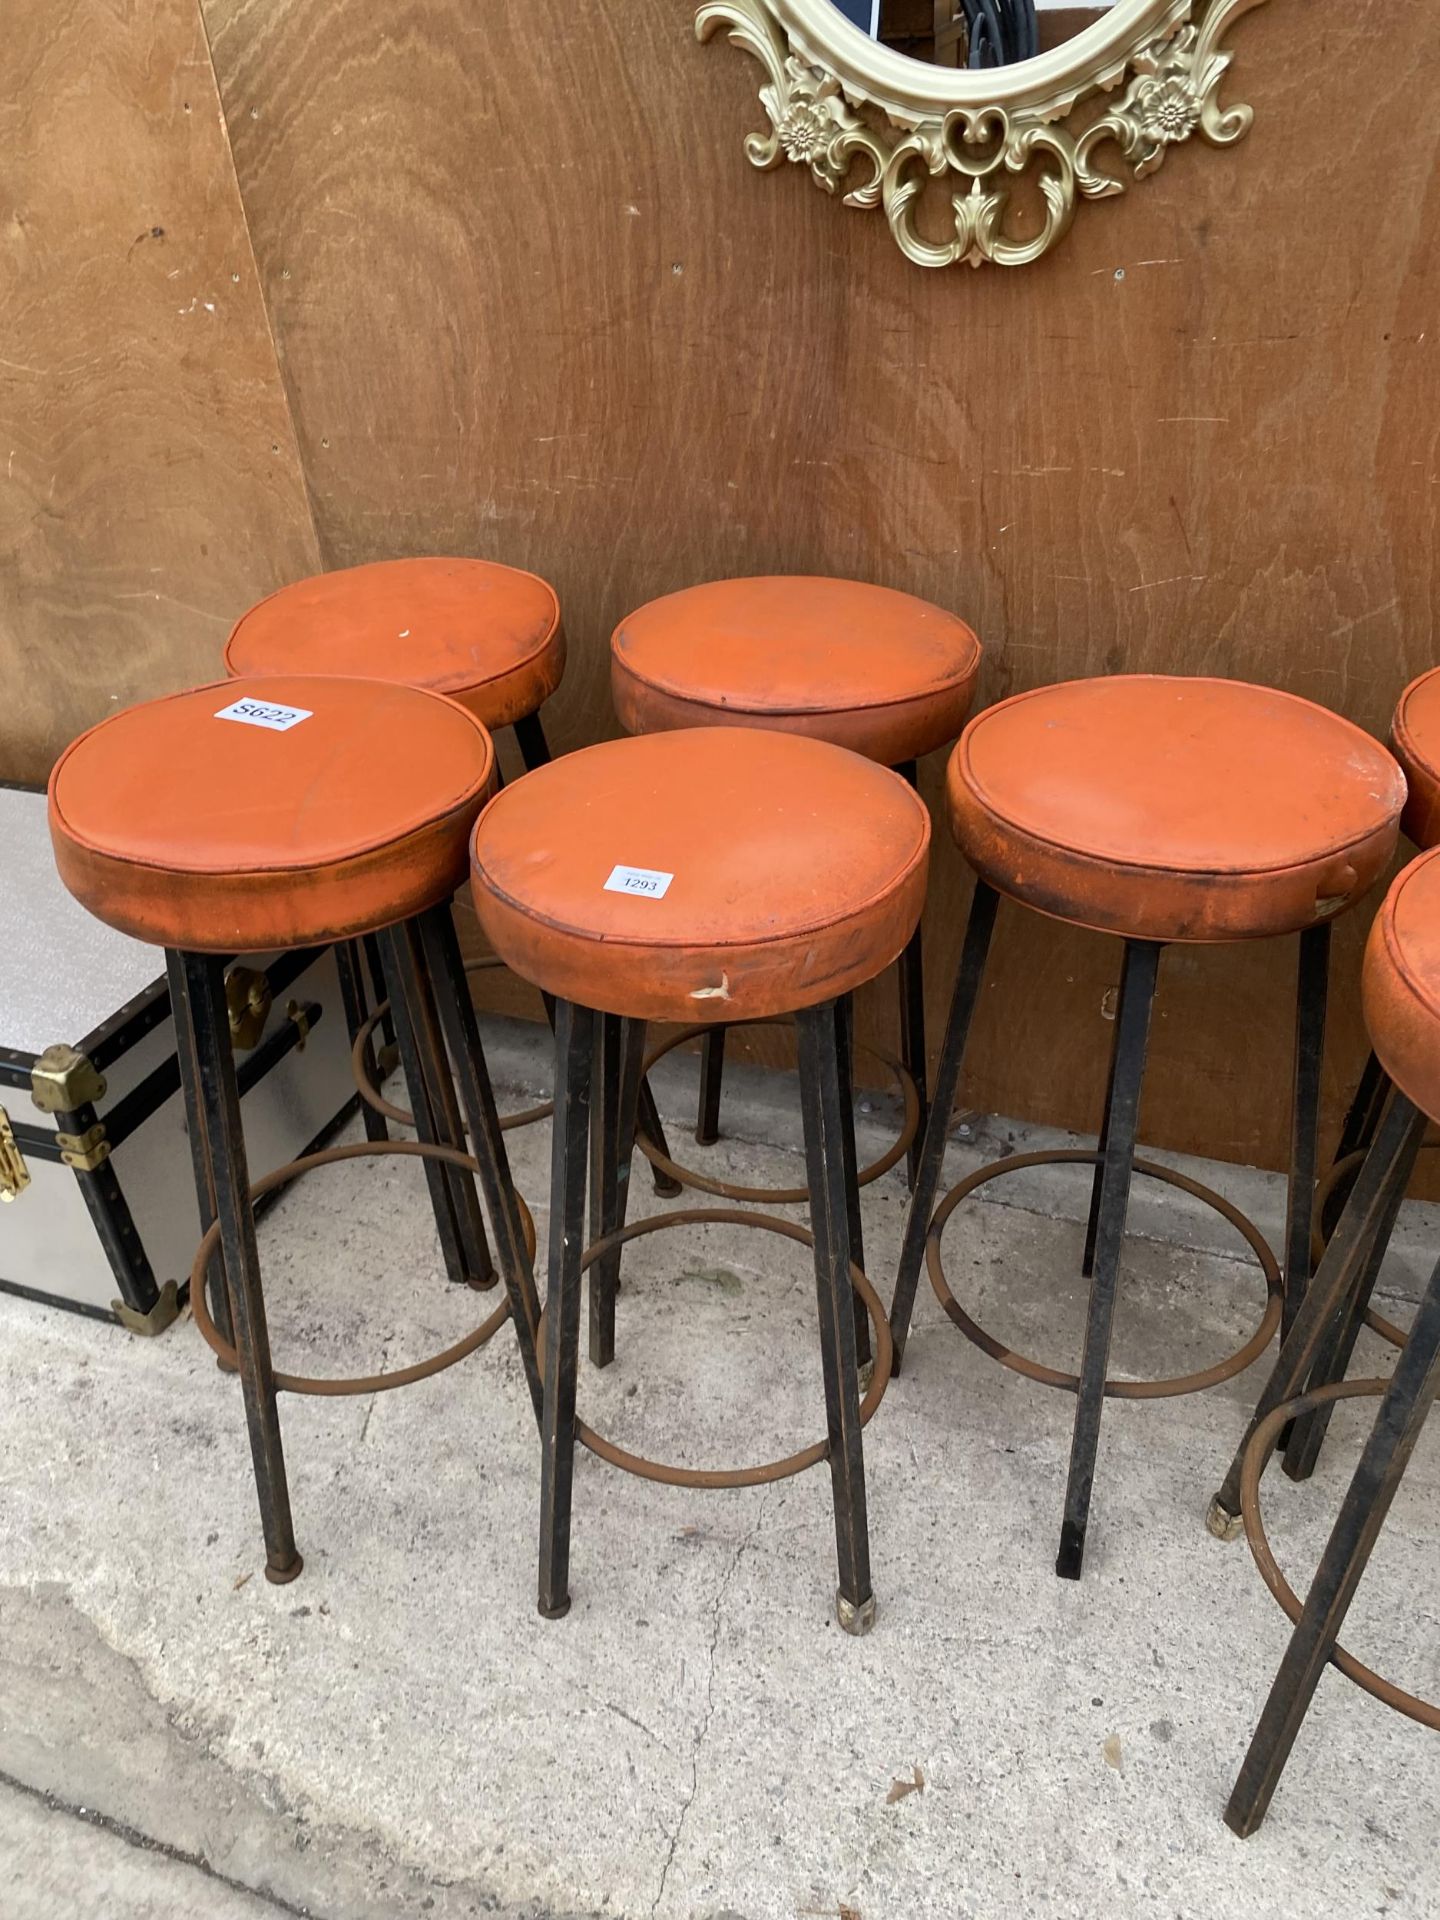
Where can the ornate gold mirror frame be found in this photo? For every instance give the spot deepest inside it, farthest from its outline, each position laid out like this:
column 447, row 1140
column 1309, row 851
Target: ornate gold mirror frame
column 838, row 100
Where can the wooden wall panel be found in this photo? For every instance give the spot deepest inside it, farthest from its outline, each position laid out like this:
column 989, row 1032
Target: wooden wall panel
column 149, row 479
column 530, row 301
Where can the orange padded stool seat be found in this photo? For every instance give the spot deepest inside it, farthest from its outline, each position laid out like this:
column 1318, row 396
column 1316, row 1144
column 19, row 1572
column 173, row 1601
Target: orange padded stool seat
column 1174, row 809
column 713, row 874
column 792, row 871
column 1415, row 737
column 880, row 672
column 487, row 635
column 283, row 812
column 194, row 831
column 877, row 671
column 1402, row 1013
column 1160, row 809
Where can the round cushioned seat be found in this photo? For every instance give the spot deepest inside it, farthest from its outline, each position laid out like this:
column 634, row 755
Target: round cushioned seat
column 1401, row 983
column 1174, row 809
column 195, row 831
column 487, row 635
column 789, row 871
column 1415, row 737
column 877, row 671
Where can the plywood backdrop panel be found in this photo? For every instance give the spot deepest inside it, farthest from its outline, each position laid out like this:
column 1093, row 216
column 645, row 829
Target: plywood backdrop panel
column 149, row 477
column 530, row 301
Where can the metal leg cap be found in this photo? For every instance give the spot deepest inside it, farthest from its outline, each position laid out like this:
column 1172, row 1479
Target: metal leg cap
column 283, row 1575
column 554, row 1613
column 666, row 1187
column 1222, row 1523
column 857, row 1620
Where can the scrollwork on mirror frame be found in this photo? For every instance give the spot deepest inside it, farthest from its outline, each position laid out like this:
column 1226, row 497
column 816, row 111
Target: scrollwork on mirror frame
column 1171, row 91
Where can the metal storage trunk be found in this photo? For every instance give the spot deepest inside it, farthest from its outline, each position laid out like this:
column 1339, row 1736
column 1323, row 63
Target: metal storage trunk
column 99, row 1212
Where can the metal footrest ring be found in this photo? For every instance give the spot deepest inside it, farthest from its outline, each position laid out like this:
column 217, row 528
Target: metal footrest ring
column 1115, row 1389
column 376, row 1382
column 376, row 1100
column 773, row 1470
column 1258, row 1452
column 781, row 1196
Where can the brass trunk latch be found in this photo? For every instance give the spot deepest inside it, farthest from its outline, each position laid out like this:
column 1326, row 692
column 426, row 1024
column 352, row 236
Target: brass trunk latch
column 14, row 1174
column 247, row 1000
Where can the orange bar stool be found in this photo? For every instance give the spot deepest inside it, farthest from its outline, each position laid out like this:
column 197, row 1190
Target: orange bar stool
column 1163, row 811
column 718, row 874
column 247, row 817
column 887, row 675
column 486, row 635
column 1402, row 1013
column 1415, row 742
column 481, row 633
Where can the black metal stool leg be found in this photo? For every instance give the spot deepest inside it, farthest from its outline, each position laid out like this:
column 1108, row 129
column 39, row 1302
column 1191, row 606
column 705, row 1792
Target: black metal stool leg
column 1306, row 1435
column 1332, row 1358
column 350, row 964
column 1097, row 1185
column 462, row 1040
column 822, row 1094
column 1137, row 996
column 1310, row 1006
column 1362, row 1120
column 217, row 1291
column 374, row 967
column 1403, row 1410
column 530, row 738
column 218, row 1100
column 569, row 1139
column 845, row 1043
column 969, row 978
column 612, row 1142
column 712, row 1074
column 912, row 1015
column 1374, row 1200
column 458, row 1220
column 1363, row 1115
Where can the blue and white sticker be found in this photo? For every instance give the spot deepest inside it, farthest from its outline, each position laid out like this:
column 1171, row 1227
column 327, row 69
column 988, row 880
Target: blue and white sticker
column 643, row 882
column 264, row 713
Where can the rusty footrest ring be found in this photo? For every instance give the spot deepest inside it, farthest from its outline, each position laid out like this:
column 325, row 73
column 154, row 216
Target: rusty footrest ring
column 781, row 1196
column 387, row 1109
column 376, row 1382
column 1035, row 1370
column 1258, row 1452
column 773, row 1470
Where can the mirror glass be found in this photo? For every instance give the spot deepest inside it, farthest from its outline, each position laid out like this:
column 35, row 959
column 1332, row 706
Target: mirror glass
column 972, row 33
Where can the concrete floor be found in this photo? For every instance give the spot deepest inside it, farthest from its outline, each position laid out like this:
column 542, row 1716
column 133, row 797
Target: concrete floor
column 398, row 1733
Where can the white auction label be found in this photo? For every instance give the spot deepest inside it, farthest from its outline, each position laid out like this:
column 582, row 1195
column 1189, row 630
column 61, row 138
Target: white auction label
column 642, row 880
column 264, row 713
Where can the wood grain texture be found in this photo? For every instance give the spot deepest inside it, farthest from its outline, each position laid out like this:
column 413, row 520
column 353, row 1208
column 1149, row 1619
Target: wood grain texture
column 531, row 302
column 149, row 479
